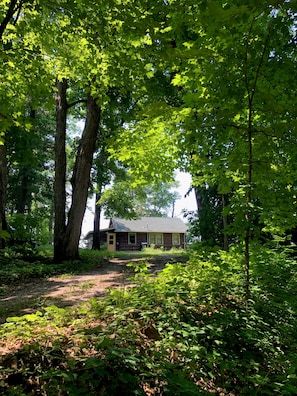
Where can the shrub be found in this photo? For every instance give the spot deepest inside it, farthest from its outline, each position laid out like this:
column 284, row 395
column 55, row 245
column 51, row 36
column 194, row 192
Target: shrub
column 186, row 332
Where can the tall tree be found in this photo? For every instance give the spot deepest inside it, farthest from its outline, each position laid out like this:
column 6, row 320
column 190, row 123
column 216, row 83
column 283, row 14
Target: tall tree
column 81, row 177
column 236, row 78
column 18, row 65
column 210, row 219
column 108, row 49
column 68, row 230
column 30, row 163
column 60, row 169
column 232, row 66
column 95, row 53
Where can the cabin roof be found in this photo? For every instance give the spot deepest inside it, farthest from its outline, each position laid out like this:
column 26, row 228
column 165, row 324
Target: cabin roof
column 149, row 224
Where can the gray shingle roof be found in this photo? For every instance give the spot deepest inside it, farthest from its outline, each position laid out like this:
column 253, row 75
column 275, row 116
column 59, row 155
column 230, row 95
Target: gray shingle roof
column 149, row 224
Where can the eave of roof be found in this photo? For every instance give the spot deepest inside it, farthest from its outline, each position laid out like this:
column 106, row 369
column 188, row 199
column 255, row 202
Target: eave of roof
column 149, row 224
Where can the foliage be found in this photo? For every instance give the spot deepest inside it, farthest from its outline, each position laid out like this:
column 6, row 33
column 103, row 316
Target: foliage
column 127, row 199
column 207, row 224
column 30, row 160
column 232, row 119
column 186, row 332
column 29, row 227
column 213, row 84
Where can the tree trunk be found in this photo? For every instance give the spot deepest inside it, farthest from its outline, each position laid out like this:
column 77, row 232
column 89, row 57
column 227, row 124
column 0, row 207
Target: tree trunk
column 3, row 191
column 96, row 232
column 80, row 179
column 60, row 171
column 51, row 222
column 173, row 209
column 198, row 199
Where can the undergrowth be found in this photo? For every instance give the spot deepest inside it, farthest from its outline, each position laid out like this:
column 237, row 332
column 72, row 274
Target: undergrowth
column 186, row 332
column 16, row 270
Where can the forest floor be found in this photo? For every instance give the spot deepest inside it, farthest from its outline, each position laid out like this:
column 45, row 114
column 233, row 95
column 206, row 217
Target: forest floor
column 70, row 290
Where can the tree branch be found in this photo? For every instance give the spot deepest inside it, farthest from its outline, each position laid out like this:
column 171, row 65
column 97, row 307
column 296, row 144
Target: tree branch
column 76, row 102
column 13, row 7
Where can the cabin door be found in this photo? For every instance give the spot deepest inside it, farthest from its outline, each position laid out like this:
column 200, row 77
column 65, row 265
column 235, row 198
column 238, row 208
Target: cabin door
column 111, row 242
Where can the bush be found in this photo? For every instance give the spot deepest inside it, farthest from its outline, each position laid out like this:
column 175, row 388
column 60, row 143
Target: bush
column 187, row 332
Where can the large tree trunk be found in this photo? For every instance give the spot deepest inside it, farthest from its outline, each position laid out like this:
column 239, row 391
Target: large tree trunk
column 3, row 191
column 60, row 171
column 81, row 178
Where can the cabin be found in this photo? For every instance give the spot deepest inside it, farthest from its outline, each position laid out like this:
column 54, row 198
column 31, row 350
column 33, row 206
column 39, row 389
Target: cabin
column 127, row 235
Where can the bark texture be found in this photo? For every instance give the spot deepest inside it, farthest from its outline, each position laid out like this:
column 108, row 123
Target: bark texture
column 60, row 171
column 66, row 236
column 81, row 178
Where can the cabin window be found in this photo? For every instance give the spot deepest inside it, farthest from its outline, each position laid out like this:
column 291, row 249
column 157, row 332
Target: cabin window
column 175, row 239
column 132, row 238
column 156, row 239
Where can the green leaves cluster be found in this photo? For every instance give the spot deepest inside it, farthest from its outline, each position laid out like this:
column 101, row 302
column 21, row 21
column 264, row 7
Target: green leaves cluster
column 211, row 82
column 127, row 199
column 233, row 67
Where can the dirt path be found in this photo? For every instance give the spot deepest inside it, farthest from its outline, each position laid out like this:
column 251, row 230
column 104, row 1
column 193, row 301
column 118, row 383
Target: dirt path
column 69, row 290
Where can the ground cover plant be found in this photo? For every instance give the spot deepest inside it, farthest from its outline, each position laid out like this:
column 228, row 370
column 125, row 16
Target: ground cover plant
column 17, row 269
column 187, row 332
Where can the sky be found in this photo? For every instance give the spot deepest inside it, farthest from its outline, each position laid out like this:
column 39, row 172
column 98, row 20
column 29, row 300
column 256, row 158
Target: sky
column 188, row 203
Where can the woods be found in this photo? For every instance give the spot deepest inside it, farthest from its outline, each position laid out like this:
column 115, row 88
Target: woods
column 213, row 96
column 111, row 99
